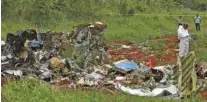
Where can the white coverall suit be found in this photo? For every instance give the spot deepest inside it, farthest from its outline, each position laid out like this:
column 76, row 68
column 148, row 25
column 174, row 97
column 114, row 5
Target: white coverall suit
column 184, row 37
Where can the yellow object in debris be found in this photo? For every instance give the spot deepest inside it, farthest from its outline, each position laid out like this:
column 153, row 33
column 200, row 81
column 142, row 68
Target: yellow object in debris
column 26, row 43
column 23, row 53
column 186, row 74
column 56, row 63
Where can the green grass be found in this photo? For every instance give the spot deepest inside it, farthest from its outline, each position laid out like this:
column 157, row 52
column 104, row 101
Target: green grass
column 32, row 90
column 136, row 28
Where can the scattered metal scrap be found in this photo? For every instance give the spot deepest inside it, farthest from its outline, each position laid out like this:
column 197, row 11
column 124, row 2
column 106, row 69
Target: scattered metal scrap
column 201, row 70
column 39, row 53
column 88, row 42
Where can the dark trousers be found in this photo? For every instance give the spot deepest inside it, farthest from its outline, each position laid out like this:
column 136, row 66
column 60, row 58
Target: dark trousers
column 197, row 26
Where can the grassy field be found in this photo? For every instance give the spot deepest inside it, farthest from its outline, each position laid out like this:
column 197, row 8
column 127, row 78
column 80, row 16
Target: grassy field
column 136, row 28
column 32, row 90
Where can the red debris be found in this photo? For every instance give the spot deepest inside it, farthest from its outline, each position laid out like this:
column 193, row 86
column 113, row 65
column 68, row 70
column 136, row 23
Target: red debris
column 150, row 63
column 154, row 60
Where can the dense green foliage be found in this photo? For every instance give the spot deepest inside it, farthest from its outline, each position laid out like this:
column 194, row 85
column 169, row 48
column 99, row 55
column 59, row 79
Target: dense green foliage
column 62, row 14
column 43, row 11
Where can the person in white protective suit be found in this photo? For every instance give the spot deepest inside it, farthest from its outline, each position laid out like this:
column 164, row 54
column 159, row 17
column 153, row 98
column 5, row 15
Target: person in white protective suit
column 183, row 37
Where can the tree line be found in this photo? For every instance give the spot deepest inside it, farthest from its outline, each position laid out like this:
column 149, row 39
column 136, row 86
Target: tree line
column 44, row 10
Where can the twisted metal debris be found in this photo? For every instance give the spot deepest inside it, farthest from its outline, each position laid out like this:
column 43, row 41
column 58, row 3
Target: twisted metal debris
column 39, row 53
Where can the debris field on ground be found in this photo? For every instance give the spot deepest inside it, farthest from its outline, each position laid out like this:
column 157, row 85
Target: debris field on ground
column 117, row 65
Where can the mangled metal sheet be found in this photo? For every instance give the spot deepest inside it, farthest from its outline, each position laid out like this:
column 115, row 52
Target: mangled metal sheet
column 201, row 70
column 186, row 75
column 157, row 91
column 88, row 42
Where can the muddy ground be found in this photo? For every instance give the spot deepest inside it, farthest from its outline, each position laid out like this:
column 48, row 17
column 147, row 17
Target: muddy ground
column 167, row 54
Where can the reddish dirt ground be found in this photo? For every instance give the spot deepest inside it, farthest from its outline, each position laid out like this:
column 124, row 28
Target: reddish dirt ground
column 168, row 55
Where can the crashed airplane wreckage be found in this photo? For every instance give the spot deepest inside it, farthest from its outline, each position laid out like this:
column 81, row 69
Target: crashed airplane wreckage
column 30, row 50
column 39, row 53
column 88, row 42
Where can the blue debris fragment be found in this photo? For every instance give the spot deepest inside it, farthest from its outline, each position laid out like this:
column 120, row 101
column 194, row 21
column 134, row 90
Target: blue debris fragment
column 126, row 65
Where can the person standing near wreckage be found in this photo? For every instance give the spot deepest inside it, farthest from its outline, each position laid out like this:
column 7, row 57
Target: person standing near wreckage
column 183, row 37
column 197, row 21
column 180, row 20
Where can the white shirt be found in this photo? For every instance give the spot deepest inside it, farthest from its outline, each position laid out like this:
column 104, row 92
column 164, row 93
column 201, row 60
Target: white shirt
column 182, row 33
column 197, row 19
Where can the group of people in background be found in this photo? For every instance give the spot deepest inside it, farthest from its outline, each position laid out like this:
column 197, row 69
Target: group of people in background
column 197, row 21
column 184, row 36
